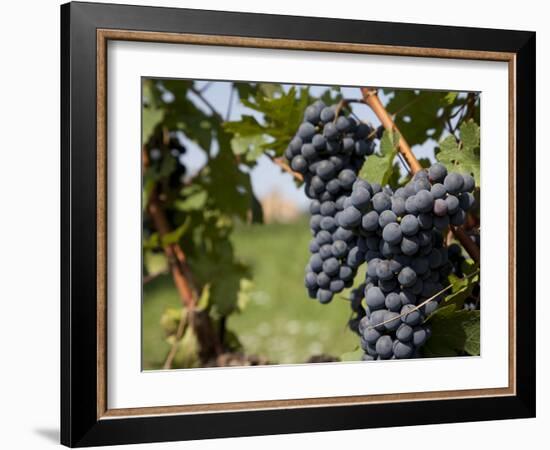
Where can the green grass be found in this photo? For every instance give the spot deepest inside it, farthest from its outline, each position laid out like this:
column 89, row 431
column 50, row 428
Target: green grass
column 280, row 322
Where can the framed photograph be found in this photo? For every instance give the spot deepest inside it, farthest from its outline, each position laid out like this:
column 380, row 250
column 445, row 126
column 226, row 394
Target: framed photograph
column 275, row 224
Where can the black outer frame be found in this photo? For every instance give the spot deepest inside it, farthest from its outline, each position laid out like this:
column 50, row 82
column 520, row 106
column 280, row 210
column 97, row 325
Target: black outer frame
column 79, row 423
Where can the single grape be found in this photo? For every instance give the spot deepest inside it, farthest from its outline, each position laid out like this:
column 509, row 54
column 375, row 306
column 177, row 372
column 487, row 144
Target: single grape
column 316, row 263
column 323, row 280
column 311, row 280
column 398, row 206
column 384, row 347
column 371, row 335
column 466, row 200
column 375, row 298
column 437, row 173
column 453, row 183
column 402, row 350
column 346, row 273
column 411, row 316
column 404, row 333
column 330, row 132
column 327, row 209
column 342, row 124
column 419, row 336
column 438, row 191
column 350, row 217
column 360, row 198
column 327, row 114
column 339, row 249
column 468, row 183
column 336, row 286
column 410, row 205
column 392, row 233
column 369, row 222
column 440, row 207
column 424, row 201
column 306, row 131
column 311, row 114
column 299, row 164
column 393, row 302
column 407, row 277
column 381, row 201
column 383, row 271
column 331, row 266
column 409, row 225
column 347, row 177
column 324, row 295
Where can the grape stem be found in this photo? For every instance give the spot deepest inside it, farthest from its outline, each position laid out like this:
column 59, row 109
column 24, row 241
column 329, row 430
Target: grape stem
column 420, row 305
column 370, row 97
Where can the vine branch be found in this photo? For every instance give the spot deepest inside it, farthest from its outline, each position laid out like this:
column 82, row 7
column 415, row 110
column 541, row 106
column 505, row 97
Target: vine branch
column 179, row 268
column 370, row 97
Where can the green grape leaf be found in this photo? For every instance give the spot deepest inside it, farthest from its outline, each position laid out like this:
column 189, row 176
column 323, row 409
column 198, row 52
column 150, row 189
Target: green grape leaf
column 195, row 198
column 176, row 234
column 204, row 299
column 463, row 156
column 188, row 349
column 416, row 113
column 248, row 137
column 150, row 118
column 450, row 98
column 453, row 331
column 462, row 287
column 170, row 320
column 380, row 168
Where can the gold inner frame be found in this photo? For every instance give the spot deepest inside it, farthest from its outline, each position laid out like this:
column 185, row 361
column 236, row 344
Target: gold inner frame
column 103, row 36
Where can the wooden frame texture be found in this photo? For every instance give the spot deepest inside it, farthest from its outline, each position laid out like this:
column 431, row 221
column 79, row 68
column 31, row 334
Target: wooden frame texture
column 86, row 418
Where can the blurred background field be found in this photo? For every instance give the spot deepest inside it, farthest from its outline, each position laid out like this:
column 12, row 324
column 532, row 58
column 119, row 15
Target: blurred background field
column 280, row 322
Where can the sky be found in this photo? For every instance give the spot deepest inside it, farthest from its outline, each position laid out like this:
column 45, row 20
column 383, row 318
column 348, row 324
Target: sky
column 266, row 177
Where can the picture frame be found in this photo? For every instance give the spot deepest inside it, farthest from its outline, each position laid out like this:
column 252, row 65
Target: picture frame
column 86, row 29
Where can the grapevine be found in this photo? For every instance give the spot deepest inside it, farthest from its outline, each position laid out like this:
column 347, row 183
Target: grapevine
column 397, row 233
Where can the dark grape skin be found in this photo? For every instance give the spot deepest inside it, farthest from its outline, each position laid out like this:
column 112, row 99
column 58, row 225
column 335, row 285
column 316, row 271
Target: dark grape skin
column 409, row 225
column 407, row 277
column 381, row 202
column 375, row 298
column 440, row 207
column 369, row 221
column 402, row 350
column 306, row 131
column 299, row 164
column 360, row 198
column 392, row 233
column 386, row 217
column 324, row 295
column 384, row 346
column 424, row 201
column 404, row 333
column 437, row 172
column 312, row 114
column 453, row 183
column 327, row 114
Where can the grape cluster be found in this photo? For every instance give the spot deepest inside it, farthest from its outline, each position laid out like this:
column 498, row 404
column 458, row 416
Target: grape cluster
column 328, row 150
column 400, row 238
